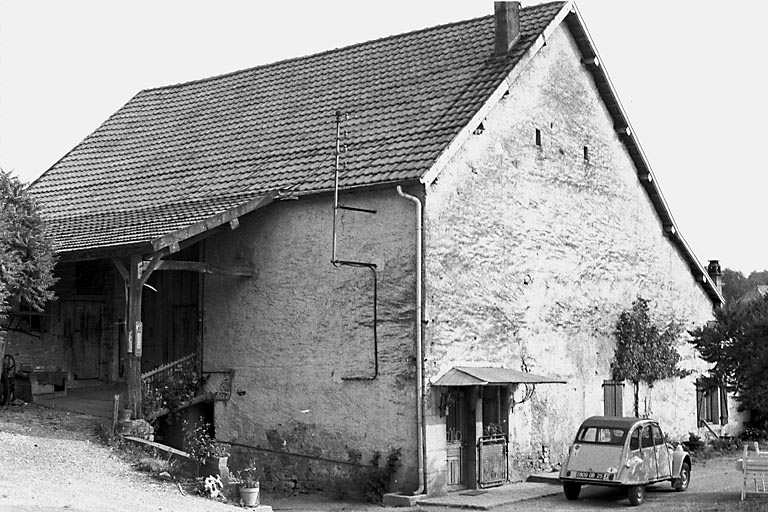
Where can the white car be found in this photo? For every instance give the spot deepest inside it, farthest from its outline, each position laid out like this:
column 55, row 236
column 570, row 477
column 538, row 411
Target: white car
column 627, row 452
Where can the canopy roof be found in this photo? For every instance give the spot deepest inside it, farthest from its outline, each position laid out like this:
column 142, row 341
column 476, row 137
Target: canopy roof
column 491, row 376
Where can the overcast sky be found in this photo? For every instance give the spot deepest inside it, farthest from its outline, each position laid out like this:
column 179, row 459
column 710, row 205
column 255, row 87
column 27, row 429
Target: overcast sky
column 691, row 76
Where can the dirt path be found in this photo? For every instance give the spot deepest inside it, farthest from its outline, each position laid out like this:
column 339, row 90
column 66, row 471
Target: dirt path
column 52, row 460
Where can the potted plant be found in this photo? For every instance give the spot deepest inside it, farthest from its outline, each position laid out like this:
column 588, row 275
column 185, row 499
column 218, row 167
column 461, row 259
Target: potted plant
column 203, row 448
column 248, row 483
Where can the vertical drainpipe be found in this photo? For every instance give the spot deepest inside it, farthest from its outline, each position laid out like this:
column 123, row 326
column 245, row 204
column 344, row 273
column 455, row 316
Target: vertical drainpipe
column 419, row 348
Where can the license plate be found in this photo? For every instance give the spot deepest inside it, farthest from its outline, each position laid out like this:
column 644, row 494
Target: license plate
column 591, row 476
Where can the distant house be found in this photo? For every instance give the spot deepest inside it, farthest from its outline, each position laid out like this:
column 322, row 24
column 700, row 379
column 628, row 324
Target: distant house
column 421, row 242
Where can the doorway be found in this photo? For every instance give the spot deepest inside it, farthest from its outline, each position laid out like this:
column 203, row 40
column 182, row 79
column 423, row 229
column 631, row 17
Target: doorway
column 81, row 336
column 460, row 437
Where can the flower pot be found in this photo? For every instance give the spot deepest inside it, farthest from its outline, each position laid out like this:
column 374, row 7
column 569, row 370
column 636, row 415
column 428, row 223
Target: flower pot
column 250, row 496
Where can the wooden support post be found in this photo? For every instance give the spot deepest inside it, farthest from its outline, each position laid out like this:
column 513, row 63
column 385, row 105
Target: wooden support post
column 115, row 412
column 133, row 335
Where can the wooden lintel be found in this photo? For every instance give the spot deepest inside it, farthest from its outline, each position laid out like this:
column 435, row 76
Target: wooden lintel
column 206, row 268
column 172, row 240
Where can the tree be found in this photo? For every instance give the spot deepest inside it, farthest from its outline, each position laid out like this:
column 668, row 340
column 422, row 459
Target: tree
column 26, row 255
column 734, row 284
column 737, row 345
column 645, row 351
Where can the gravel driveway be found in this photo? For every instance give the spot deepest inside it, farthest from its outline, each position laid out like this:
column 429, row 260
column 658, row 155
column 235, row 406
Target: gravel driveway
column 52, row 460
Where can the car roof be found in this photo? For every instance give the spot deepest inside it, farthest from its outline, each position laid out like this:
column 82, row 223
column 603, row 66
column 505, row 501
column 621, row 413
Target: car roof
column 613, row 421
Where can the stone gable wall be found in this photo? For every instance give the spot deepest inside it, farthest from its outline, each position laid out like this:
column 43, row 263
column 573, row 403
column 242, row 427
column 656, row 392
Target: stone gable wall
column 532, row 251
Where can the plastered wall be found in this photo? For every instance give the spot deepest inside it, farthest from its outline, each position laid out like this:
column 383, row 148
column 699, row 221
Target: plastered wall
column 532, row 251
column 298, row 330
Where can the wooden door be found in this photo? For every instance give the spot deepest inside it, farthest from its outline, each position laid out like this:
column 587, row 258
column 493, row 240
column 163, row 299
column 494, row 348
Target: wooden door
column 82, row 334
column 460, row 435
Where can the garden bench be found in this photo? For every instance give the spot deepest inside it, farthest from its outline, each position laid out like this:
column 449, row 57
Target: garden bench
column 754, row 469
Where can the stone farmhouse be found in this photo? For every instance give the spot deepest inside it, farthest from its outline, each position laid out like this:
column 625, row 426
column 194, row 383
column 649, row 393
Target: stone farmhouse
column 420, row 242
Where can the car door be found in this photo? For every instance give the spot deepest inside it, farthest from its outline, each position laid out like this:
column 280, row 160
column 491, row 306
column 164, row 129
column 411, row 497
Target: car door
column 641, row 454
column 663, row 462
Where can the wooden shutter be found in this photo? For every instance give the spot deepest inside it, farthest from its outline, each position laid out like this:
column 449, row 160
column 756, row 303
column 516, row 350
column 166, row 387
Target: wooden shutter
column 613, row 397
column 723, row 406
column 700, row 404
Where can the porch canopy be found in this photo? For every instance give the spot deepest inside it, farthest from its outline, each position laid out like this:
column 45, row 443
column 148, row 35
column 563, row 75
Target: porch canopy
column 491, row 376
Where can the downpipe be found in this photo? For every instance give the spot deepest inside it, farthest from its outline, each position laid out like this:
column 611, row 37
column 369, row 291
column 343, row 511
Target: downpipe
column 419, row 348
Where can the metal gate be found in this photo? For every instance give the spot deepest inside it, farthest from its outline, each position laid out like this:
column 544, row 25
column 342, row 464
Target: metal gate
column 492, row 456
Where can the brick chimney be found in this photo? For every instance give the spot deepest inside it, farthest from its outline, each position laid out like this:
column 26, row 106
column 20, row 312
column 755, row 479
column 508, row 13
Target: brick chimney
column 716, row 274
column 507, row 15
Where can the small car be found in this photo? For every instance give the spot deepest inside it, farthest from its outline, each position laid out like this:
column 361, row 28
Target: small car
column 627, row 452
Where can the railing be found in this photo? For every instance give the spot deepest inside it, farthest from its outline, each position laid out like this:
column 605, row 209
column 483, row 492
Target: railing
column 170, row 386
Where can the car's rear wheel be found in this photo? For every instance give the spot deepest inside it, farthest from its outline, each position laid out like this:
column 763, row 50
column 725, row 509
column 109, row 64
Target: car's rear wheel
column 681, row 483
column 636, row 494
column 571, row 490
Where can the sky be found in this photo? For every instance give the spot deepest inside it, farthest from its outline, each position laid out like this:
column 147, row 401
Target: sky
column 690, row 74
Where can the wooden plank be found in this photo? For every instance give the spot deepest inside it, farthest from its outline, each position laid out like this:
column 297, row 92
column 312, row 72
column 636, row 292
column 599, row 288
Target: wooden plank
column 206, row 268
column 149, row 268
column 172, row 240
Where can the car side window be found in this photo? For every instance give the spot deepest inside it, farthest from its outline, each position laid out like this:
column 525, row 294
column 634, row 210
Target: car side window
column 658, row 437
column 645, row 438
column 634, row 440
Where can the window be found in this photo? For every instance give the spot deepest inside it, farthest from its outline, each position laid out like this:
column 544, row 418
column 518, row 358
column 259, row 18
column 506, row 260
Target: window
column 645, row 438
column 601, row 435
column 658, row 437
column 711, row 403
column 634, row 441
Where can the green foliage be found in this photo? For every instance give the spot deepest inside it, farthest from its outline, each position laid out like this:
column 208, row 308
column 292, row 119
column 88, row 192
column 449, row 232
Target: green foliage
column 250, row 475
column 736, row 285
column 199, row 442
column 171, row 390
column 737, row 345
column 645, row 351
column 380, row 478
column 26, row 255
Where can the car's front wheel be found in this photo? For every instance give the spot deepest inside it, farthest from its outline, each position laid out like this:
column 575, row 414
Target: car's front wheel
column 681, row 483
column 571, row 490
column 636, row 494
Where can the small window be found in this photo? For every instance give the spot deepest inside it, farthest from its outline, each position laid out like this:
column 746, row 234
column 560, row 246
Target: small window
column 601, row 435
column 711, row 403
column 586, row 153
column 645, row 438
column 538, row 137
column 634, row 441
column 658, row 437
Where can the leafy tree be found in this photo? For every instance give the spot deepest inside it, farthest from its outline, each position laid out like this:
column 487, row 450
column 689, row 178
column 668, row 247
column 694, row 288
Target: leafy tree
column 734, row 284
column 645, row 351
column 737, row 345
column 26, row 256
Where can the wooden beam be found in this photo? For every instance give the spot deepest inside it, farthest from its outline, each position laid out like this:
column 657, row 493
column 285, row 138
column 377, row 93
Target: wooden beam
column 172, row 239
column 133, row 335
column 149, row 267
column 206, row 268
column 121, row 268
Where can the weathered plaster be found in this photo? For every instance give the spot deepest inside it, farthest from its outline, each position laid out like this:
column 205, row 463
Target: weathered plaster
column 293, row 333
column 533, row 251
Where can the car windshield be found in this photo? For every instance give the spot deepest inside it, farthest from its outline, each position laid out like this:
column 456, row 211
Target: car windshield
column 601, row 435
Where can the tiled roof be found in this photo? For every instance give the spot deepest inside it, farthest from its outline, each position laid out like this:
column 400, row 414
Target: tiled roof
column 174, row 154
